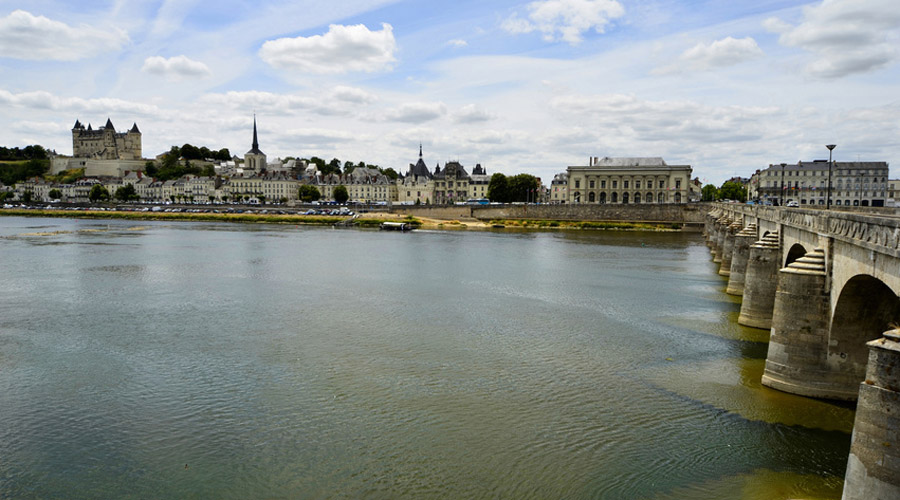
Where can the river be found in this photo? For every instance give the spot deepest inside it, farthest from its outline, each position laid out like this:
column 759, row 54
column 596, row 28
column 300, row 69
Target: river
column 198, row 360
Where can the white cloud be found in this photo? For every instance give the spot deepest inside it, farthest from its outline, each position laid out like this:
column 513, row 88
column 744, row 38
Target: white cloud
column 417, row 112
column 26, row 36
column 565, row 20
column 457, row 43
column 847, row 36
column 471, row 114
column 339, row 101
column 342, row 49
column 680, row 122
column 176, row 68
column 352, row 95
column 318, row 137
column 40, row 100
column 720, row 53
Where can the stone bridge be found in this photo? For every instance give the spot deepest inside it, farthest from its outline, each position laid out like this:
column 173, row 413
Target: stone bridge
column 826, row 285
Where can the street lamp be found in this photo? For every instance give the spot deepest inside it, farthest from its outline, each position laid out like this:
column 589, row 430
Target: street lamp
column 782, row 195
column 830, row 164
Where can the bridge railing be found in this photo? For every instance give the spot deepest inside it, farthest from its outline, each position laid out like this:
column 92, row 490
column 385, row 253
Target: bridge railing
column 880, row 233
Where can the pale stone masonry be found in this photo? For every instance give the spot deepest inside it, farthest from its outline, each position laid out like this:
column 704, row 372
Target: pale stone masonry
column 628, row 180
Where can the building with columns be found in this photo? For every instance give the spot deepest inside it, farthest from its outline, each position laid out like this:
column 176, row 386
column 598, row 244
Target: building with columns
column 627, row 180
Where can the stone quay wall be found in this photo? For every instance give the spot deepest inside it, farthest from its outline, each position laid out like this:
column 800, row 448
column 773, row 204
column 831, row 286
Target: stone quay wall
column 684, row 213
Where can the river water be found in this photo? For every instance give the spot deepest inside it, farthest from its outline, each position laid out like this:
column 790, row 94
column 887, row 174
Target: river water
column 196, row 360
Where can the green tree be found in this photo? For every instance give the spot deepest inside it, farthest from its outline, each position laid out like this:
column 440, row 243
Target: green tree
column 27, row 196
column 55, row 194
column 150, row 168
column 98, row 193
column 308, row 193
column 12, row 173
column 498, row 188
column 709, row 193
column 126, row 193
column 732, row 191
column 522, row 188
column 391, row 173
column 340, row 194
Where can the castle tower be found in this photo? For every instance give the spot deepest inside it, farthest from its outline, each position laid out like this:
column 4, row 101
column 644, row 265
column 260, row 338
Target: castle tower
column 255, row 160
column 104, row 143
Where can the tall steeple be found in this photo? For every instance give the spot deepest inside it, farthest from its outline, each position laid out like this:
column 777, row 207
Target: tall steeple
column 420, row 150
column 255, row 140
column 255, row 160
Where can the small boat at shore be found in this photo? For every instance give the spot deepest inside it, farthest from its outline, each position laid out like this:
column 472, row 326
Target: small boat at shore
column 395, row 226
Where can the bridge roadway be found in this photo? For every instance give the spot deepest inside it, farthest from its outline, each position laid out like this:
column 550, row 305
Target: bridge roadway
column 827, row 286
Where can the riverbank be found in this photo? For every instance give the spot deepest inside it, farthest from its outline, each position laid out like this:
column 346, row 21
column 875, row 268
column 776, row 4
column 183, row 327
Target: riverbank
column 361, row 220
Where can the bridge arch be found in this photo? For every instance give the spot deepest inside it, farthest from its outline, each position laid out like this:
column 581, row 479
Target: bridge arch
column 866, row 307
column 794, row 253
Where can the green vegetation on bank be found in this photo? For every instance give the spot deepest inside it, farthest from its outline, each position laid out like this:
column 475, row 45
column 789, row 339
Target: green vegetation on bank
column 18, row 171
column 246, row 217
column 315, row 220
column 518, row 188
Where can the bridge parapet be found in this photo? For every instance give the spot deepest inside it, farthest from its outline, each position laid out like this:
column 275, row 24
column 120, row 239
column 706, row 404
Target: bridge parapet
column 877, row 233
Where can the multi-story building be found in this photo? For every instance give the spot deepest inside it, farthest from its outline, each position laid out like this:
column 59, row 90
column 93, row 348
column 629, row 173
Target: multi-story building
column 363, row 184
column 893, row 198
column 628, row 180
column 559, row 188
column 417, row 185
column 478, row 183
column 852, row 183
column 451, row 184
column 105, row 143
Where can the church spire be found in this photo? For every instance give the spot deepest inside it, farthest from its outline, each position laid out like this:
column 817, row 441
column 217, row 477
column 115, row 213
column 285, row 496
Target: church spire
column 420, row 150
column 255, row 140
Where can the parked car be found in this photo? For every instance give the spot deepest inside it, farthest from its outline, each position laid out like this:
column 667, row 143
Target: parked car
column 792, row 203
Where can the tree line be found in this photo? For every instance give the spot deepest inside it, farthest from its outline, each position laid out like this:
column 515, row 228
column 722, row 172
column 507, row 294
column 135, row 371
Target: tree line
column 33, row 152
column 30, row 161
column 728, row 191
column 517, row 188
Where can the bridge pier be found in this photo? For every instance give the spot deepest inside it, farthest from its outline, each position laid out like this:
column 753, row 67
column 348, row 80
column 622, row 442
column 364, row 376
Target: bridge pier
column 721, row 228
column 797, row 361
column 873, row 469
column 728, row 247
column 739, row 258
column 763, row 261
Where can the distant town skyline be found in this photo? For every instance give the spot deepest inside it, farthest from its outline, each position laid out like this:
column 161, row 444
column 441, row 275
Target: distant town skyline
column 520, row 87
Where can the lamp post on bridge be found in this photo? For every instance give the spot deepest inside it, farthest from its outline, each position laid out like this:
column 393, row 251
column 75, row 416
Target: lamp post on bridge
column 783, row 193
column 830, row 164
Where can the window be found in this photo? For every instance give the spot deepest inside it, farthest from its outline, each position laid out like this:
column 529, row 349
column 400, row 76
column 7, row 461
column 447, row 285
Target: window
column 662, row 184
column 615, row 184
column 603, row 184
column 677, row 183
column 637, row 184
column 591, row 195
column 615, row 197
column 625, row 198
column 592, row 185
column 577, row 183
column 625, row 184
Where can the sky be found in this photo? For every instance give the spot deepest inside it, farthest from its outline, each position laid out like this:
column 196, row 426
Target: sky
column 727, row 87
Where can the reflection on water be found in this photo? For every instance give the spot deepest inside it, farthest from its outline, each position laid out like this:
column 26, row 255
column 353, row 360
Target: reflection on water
column 235, row 361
